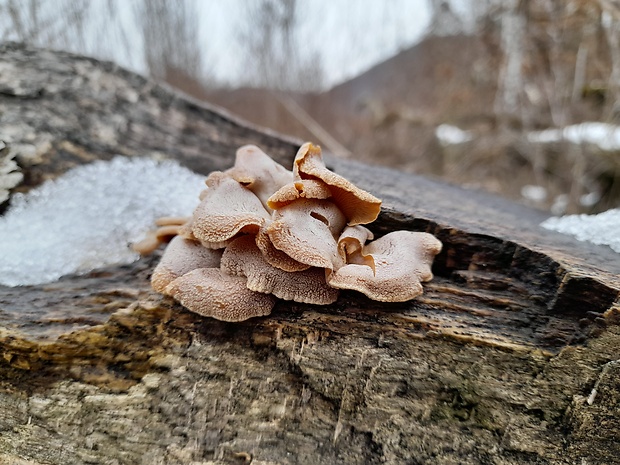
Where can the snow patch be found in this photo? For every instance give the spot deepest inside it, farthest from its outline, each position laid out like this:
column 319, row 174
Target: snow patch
column 87, row 218
column 451, row 135
column 605, row 136
column 534, row 193
column 602, row 229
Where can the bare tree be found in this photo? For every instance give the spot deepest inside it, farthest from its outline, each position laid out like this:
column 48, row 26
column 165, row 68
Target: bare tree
column 443, row 19
column 273, row 53
column 611, row 25
column 171, row 39
column 80, row 26
column 54, row 24
column 510, row 75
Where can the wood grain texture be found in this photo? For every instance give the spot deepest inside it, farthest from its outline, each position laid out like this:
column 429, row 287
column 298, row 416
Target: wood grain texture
column 510, row 356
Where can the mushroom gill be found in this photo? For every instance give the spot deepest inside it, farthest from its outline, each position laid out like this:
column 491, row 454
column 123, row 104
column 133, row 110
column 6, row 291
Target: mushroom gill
column 243, row 258
column 209, row 292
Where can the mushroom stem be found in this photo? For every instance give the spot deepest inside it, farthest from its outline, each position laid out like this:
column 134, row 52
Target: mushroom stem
column 172, row 220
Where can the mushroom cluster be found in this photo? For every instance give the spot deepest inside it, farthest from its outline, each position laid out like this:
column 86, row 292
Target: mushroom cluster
column 262, row 233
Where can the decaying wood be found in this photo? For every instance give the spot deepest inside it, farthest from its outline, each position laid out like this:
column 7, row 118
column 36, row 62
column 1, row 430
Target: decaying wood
column 512, row 355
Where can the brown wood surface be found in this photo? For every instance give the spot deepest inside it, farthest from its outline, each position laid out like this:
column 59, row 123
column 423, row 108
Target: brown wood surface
column 511, row 356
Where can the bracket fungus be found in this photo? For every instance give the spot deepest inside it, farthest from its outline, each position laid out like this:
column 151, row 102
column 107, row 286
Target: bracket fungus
column 390, row 269
column 306, row 231
column 210, row 292
column 262, row 233
column 227, row 209
column 182, row 256
column 357, row 205
column 258, row 172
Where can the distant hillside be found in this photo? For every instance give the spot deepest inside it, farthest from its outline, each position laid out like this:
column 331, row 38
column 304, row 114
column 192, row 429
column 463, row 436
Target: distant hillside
column 438, row 72
column 440, row 79
column 263, row 107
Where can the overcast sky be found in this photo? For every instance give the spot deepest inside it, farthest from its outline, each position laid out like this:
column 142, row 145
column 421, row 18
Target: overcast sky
column 350, row 35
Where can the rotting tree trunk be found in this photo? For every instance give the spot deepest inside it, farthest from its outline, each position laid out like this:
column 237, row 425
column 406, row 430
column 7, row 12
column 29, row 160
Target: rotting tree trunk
column 512, row 355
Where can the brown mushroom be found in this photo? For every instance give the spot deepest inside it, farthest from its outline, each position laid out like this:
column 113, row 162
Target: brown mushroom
column 302, row 188
column 276, row 257
column 255, row 170
column 358, row 206
column 210, row 292
column 285, row 235
column 172, row 220
column 169, row 227
column 180, row 257
column 243, row 258
column 351, row 245
column 402, row 261
column 149, row 244
column 306, row 229
column 226, row 210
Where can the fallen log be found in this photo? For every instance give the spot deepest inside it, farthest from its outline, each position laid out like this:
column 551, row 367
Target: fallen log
column 511, row 356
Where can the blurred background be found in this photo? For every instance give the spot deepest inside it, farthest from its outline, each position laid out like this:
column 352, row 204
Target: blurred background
column 517, row 97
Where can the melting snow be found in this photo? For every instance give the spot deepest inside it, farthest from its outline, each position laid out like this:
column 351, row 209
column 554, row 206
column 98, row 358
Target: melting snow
column 87, row 218
column 534, row 193
column 451, row 135
column 605, row 136
column 603, row 229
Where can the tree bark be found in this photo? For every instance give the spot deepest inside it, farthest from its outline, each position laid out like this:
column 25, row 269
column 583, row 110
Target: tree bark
column 511, row 356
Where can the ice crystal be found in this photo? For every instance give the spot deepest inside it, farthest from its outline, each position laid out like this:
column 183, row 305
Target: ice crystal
column 602, row 229
column 89, row 217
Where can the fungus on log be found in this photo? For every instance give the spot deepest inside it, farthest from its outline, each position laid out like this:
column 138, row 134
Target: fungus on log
column 211, row 292
column 244, row 258
column 390, row 269
column 359, row 206
column 509, row 356
column 306, row 227
column 182, row 256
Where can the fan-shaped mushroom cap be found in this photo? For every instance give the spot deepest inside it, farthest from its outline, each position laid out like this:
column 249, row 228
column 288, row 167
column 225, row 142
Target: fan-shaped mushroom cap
column 305, row 231
column 210, row 292
column 243, row 258
column 402, row 261
column 358, row 206
column 302, row 188
column 276, row 257
column 182, row 256
column 227, row 209
column 255, row 170
column 351, row 244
